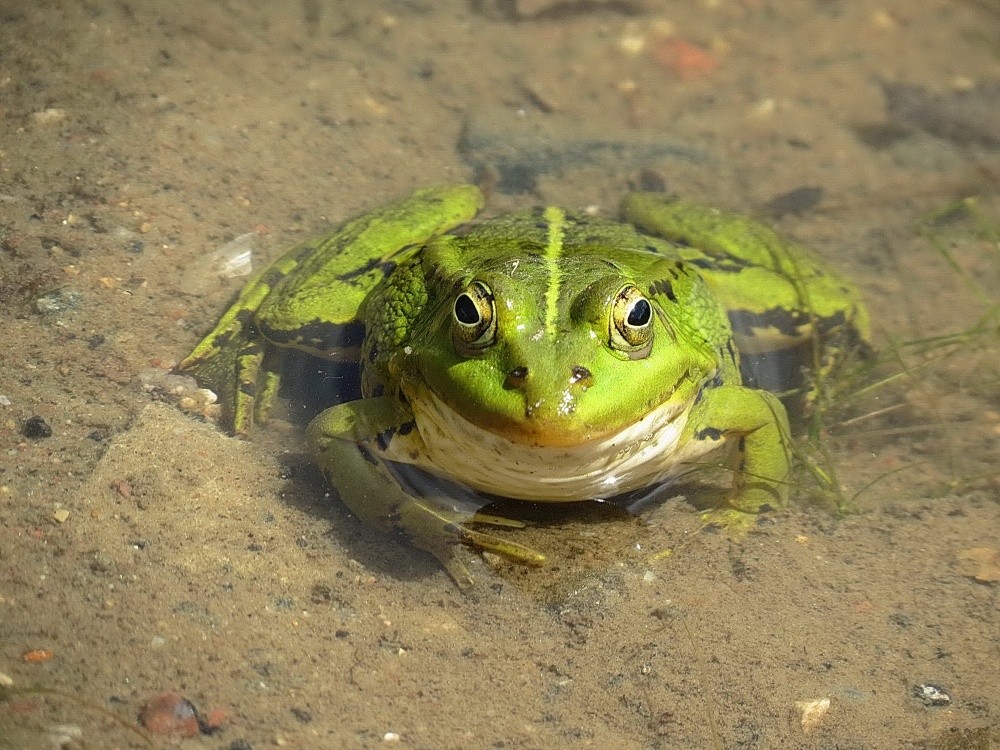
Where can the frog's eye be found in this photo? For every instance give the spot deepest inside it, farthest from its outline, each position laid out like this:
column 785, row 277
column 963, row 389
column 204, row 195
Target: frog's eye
column 632, row 322
column 474, row 317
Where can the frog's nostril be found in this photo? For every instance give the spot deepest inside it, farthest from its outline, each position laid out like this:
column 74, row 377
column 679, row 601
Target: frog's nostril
column 516, row 378
column 581, row 375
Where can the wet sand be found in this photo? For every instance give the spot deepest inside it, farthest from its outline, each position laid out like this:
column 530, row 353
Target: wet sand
column 143, row 550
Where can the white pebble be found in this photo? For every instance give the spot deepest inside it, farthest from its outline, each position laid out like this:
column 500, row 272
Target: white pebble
column 813, row 712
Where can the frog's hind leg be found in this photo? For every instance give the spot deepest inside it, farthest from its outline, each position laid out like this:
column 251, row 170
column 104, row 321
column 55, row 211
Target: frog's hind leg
column 777, row 294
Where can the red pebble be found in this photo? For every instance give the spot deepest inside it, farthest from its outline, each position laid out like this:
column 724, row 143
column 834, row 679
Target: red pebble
column 685, row 60
column 170, row 713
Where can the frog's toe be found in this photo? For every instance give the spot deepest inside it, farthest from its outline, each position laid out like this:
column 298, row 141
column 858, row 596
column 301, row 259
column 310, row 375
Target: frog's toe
column 458, row 548
column 513, row 551
column 447, row 535
column 736, row 523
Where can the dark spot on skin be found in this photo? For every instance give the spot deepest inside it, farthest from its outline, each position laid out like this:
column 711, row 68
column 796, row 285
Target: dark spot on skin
column 219, row 342
column 731, row 350
column 272, row 277
column 246, row 318
column 663, row 287
column 708, row 433
column 366, row 454
column 407, row 428
column 386, row 267
column 715, row 382
column 723, row 263
column 580, row 374
column 385, row 437
column 248, row 389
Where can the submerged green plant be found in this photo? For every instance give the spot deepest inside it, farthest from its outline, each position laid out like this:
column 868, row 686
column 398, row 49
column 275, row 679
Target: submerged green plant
column 837, row 392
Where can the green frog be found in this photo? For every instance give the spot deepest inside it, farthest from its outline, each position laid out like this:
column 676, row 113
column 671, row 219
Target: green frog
column 545, row 356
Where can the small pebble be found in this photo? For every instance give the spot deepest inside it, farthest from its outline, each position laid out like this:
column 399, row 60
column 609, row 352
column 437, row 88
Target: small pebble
column 632, row 44
column 235, row 259
column 6, row 680
column 931, row 695
column 36, row 428
column 60, row 515
column 170, row 713
column 49, row 116
column 65, row 736
column 686, row 60
column 813, row 712
column 796, row 201
column 57, row 302
column 38, row 655
column 5, row 401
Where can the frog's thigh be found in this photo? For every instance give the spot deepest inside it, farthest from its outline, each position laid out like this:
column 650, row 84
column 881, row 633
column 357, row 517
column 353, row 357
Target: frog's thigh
column 338, row 437
column 756, row 420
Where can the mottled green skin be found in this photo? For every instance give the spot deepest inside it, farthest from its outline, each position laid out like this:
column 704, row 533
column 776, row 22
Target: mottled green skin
column 569, row 359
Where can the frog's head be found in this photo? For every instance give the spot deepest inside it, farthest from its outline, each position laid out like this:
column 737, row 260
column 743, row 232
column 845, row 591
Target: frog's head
column 551, row 354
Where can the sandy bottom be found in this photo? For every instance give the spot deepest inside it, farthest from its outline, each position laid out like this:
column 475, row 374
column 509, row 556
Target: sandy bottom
column 142, row 550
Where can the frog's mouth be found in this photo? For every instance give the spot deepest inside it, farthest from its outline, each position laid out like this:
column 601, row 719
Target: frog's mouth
column 648, row 451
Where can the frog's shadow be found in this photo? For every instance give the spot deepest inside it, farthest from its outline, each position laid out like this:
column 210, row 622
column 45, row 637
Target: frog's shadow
column 383, row 552
column 379, row 552
column 310, row 385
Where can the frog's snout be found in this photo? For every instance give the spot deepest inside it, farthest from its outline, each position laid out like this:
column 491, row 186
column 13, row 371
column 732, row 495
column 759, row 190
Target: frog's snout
column 549, row 396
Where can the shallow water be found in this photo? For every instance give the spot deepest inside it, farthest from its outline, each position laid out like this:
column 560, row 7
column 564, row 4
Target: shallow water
column 135, row 138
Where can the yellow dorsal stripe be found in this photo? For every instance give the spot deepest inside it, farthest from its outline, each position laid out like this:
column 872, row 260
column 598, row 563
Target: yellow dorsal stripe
column 555, row 219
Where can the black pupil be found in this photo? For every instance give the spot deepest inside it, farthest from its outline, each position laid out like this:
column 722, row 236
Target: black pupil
column 466, row 311
column 640, row 314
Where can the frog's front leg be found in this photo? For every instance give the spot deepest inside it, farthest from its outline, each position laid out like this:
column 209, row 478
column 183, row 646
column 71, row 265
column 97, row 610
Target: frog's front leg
column 343, row 440
column 756, row 421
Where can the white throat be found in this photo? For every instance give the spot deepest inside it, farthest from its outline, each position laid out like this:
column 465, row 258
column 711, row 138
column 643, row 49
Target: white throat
column 645, row 453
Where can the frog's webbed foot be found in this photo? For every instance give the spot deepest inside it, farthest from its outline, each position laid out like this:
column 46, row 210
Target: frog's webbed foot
column 444, row 532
